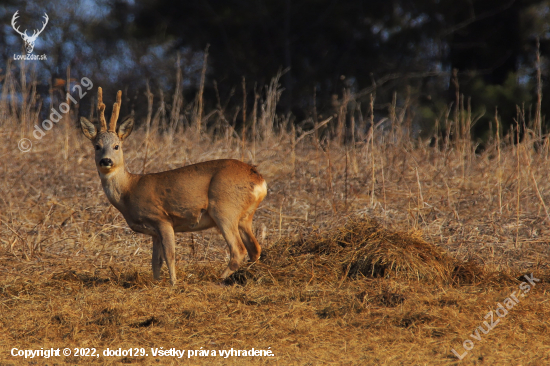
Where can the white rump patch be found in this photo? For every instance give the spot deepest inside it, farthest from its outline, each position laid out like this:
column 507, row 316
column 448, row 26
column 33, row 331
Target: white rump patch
column 260, row 191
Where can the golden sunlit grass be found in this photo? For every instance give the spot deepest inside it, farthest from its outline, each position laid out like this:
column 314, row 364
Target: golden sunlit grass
column 382, row 252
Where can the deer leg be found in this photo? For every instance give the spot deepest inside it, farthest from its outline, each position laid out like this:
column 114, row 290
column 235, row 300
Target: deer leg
column 157, row 257
column 252, row 246
column 237, row 250
column 168, row 241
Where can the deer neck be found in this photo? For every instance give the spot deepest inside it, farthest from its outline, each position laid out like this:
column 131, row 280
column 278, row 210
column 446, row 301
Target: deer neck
column 116, row 185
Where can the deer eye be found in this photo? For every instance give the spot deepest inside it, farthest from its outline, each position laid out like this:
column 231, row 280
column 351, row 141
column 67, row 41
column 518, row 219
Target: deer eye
column 116, row 147
column 97, row 147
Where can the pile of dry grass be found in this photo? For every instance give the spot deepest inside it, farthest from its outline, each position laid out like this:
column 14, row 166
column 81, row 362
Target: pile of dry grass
column 361, row 247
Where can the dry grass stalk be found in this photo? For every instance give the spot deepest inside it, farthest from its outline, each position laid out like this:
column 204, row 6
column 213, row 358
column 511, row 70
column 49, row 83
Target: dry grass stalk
column 243, row 133
column 177, row 100
column 268, row 107
column 373, row 163
column 149, row 96
column 342, row 114
column 456, row 85
column 499, row 169
column 254, row 122
column 198, row 101
column 518, row 147
column 538, row 112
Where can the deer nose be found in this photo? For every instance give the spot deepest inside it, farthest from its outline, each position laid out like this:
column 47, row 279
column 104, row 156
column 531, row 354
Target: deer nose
column 106, row 162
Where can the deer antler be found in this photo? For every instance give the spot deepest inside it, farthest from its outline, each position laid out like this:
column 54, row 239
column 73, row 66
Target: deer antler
column 24, row 34
column 35, row 34
column 116, row 111
column 101, row 109
column 13, row 19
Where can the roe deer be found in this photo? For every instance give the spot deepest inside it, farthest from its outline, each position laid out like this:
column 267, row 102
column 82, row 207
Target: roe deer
column 223, row 193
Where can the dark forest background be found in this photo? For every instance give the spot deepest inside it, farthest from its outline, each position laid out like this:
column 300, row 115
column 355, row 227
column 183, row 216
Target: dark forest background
column 399, row 49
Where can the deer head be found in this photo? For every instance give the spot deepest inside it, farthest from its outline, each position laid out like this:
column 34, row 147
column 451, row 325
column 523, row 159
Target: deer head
column 29, row 40
column 108, row 140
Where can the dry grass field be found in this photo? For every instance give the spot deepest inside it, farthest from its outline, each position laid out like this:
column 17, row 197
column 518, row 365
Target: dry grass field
column 382, row 252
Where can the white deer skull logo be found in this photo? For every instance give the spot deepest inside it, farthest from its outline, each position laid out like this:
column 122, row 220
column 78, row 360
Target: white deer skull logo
column 29, row 40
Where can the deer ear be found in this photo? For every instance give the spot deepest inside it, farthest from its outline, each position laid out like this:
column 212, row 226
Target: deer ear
column 125, row 127
column 88, row 128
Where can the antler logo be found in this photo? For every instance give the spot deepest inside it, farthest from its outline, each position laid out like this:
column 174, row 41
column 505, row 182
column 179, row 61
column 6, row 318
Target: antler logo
column 29, row 40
